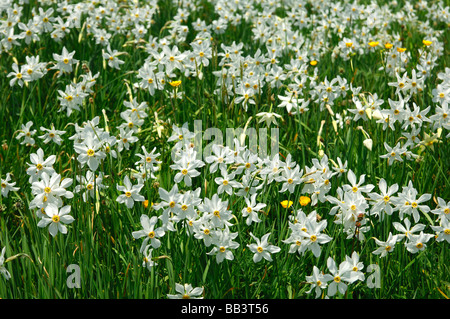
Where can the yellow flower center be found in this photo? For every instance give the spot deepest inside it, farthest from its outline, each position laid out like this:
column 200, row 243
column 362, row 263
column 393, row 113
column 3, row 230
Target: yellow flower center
column 419, row 245
column 172, row 204
column 90, row 186
column 47, row 190
column 128, row 194
column 184, row 172
column 66, row 61
column 337, row 279
column 313, row 238
column 222, row 249
column 151, row 234
column 55, row 218
column 90, row 152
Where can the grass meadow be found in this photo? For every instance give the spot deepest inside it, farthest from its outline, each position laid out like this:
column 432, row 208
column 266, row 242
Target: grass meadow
column 355, row 199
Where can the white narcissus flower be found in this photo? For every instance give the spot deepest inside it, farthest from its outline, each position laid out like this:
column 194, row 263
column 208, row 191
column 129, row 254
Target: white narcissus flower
column 318, row 281
column 50, row 190
column 252, row 209
column 56, row 217
column 313, row 236
column 64, row 61
column 148, row 262
column 186, row 291
column 52, row 134
column 383, row 201
column 442, row 210
column 340, row 275
column 89, row 185
column 223, row 245
column 356, row 267
column 3, row 269
column 269, row 118
column 90, row 152
column 407, row 231
column 226, row 182
column 130, row 193
column 262, row 249
column 149, row 232
column 417, row 243
column 27, row 134
column 112, row 57
column 39, row 165
column 7, row 187
column 385, row 246
column 443, row 230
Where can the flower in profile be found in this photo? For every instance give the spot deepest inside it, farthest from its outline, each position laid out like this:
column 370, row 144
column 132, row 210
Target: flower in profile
column 268, row 117
column 427, row 42
column 387, row 246
column 3, row 269
column 388, row 45
column 373, row 44
column 286, row 203
column 186, row 291
column 7, row 187
column 175, row 84
column 148, row 262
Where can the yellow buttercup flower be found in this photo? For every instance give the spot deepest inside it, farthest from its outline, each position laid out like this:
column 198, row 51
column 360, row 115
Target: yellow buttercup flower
column 175, row 83
column 145, row 203
column 286, row 203
column 427, row 42
column 313, row 62
column 401, row 50
column 304, row 200
column 388, row 45
column 373, row 43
